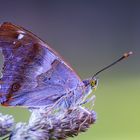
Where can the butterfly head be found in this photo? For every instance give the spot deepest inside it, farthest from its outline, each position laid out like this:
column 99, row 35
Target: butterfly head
column 93, row 83
column 90, row 84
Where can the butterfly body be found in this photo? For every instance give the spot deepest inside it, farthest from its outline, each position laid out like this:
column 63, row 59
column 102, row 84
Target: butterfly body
column 33, row 73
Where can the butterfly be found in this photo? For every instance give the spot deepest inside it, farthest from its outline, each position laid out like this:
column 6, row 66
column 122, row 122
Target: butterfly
column 33, row 74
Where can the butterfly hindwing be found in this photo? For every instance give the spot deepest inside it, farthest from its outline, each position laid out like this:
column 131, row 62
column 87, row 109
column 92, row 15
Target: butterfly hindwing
column 33, row 74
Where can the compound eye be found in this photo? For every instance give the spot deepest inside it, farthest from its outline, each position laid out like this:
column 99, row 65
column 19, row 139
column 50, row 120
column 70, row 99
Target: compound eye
column 93, row 83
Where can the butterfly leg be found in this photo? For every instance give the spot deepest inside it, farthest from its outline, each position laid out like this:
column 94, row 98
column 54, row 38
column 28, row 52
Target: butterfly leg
column 87, row 95
column 91, row 99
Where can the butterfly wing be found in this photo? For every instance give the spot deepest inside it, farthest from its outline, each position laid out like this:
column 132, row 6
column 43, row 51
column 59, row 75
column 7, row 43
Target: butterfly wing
column 33, row 73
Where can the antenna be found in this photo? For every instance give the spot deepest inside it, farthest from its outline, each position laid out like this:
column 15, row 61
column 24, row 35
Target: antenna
column 125, row 55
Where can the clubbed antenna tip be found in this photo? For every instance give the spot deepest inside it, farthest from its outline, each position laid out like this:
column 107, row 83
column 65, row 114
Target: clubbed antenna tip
column 127, row 54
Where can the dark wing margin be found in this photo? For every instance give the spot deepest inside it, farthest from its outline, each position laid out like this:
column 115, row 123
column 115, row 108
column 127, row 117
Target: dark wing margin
column 33, row 73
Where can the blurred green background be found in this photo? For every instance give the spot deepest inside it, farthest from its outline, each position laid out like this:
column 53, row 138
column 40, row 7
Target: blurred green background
column 90, row 34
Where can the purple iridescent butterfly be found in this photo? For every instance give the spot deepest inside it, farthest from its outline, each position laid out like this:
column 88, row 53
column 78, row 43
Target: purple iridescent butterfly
column 33, row 74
